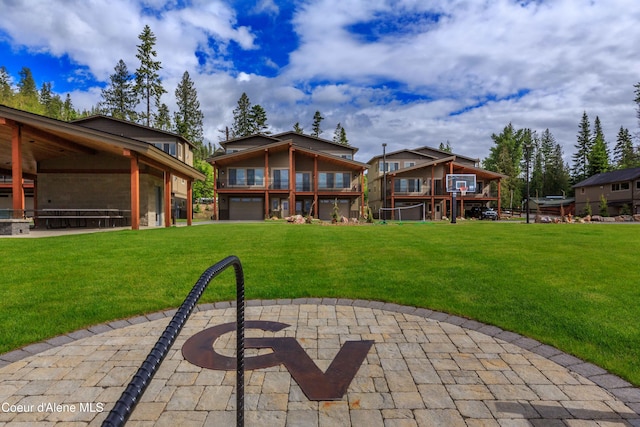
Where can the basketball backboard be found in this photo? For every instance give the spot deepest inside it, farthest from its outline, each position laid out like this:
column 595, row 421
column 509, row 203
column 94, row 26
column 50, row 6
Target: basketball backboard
column 457, row 183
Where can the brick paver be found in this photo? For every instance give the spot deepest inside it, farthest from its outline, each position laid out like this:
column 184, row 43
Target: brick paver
column 422, row 370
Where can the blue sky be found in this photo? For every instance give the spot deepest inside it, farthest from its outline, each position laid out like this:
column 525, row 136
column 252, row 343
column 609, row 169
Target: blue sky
column 407, row 73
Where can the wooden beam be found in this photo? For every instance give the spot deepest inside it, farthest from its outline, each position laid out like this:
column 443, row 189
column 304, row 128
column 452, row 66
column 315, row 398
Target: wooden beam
column 16, row 172
column 189, row 202
column 167, row 199
column 135, row 193
column 56, row 140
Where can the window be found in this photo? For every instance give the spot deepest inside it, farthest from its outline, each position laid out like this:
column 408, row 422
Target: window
column 280, row 179
column 407, row 185
column 303, row 181
column 638, row 185
column 391, row 166
column 331, row 180
column 347, row 156
column 246, row 176
column 620, row 186
column 409, row 164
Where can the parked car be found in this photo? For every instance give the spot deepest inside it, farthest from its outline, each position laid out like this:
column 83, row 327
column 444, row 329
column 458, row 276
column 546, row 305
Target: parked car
column 481, row 212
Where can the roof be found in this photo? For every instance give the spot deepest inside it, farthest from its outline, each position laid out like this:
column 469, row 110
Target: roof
column 289, row 135
column 460, row 168
column 83, row 122
column 417, row 151
column 44, row 138
column 228, row 159
column 610, row 177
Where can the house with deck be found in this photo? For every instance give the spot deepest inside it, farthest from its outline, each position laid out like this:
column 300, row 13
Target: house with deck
column 417, row 177
column 265, row 176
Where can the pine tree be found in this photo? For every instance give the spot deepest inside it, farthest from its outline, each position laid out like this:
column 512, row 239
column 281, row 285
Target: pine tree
column 547, row 145
column 189, row 118
column 297, row 128
column 598, row 156
column 27, row 97
column 317, row 119
column 637, row 100
column 624, row 154
column 162, row 119
column 68, row 112
column 258, row 118
column 6, row 93
column 119, row 98
column 583, row 147
column 536, row 165
column 445, row 147
column 340, row 135
column 148, row 83
column 242, row 125
column 505, row 157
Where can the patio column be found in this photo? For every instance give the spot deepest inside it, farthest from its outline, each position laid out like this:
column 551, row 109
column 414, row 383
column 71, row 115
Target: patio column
column 267, row 206
column 292, row 181
column 500, row 198
column 362, row 192
column 189, row 201
column 16, row 172
column 135, row 192
column 316, row 208
column 167, row 199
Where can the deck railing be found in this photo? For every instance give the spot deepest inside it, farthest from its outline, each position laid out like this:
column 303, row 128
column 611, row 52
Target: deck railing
column 136, row 388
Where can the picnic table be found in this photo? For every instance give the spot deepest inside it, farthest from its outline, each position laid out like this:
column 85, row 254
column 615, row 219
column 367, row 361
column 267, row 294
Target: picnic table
column 65, row 218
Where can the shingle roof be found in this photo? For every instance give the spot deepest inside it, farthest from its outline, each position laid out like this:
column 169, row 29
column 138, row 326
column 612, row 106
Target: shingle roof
column 610, row 177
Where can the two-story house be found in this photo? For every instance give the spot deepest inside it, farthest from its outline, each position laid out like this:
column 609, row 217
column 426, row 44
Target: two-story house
column 621, row 189
column 418, row 176
column 262, row 176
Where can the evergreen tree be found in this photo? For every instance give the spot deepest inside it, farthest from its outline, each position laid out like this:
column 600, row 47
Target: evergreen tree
column 340, row 135
column 68, row 112
column 119, row 98
column 547, row 145
column 188, row 119
column 162, row 119
column 583, row 148
column 27, row 97
column 598, row 157
column 258, row 118
column 505, row 157
column 445, row 147
column 242, row 124
column 51, row 103
column 624, row 154
column 536, row 165
column 297, row 128
column 558, row 173
column 637, row 100
column 148, row 83
column 317, row 119
column 6, row 92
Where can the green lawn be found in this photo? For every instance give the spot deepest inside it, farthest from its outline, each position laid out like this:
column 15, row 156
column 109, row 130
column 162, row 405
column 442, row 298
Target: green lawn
column 573, row 286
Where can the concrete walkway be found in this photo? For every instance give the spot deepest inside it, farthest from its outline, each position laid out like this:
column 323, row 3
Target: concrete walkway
column 424, row 368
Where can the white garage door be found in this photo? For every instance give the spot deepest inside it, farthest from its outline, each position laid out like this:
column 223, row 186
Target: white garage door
column 246, row 208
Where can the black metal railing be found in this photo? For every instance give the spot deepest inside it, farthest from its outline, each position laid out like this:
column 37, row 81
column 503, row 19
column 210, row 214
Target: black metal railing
column 134, row 391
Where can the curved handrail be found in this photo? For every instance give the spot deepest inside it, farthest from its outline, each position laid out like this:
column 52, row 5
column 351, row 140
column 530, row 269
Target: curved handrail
column 131, row 395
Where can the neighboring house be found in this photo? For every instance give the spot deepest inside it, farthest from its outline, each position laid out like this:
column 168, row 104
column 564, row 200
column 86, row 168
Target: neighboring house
column 169, row 142
column 419, row 176
column 262, row 176
column 86, row 165
column 621, row 188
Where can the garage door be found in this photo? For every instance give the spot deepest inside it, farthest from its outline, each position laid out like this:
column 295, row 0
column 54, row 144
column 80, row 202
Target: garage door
column 246, row 208
column 326, row 208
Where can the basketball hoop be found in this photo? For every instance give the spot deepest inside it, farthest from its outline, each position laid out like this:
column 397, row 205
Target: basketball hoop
column 463, row 191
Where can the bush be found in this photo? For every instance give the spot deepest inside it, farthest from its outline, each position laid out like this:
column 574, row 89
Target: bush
column 604, row 208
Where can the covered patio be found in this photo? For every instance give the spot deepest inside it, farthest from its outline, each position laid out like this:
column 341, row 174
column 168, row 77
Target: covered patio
column 83, row 176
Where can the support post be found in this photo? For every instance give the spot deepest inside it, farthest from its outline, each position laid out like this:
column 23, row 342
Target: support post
column 189, row 202
column 167, row 199
column 16, row 172
column 135, row 192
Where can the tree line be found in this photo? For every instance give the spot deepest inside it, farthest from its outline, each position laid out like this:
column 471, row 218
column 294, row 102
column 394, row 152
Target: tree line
column 518, row 152
column 251, row 119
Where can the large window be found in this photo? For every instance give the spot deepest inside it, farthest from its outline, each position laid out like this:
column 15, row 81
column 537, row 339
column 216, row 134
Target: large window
column 303, row 181
column 620, row 186
column 167, row 148
column 334, row 180
column 280, row 179
column 407, row 185
column 244, row 177
column 391, row 166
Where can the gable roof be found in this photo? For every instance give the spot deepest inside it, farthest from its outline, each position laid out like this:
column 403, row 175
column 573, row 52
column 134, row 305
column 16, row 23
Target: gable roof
column 87, row 121
column 231, row 158
column 610, row 177
column 44, row 137
column 437, row 154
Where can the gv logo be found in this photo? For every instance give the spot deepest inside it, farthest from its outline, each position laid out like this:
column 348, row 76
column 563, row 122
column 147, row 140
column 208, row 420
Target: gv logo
column 316, row 385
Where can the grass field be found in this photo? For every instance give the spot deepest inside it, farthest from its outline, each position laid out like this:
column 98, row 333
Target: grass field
column 573, row 286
